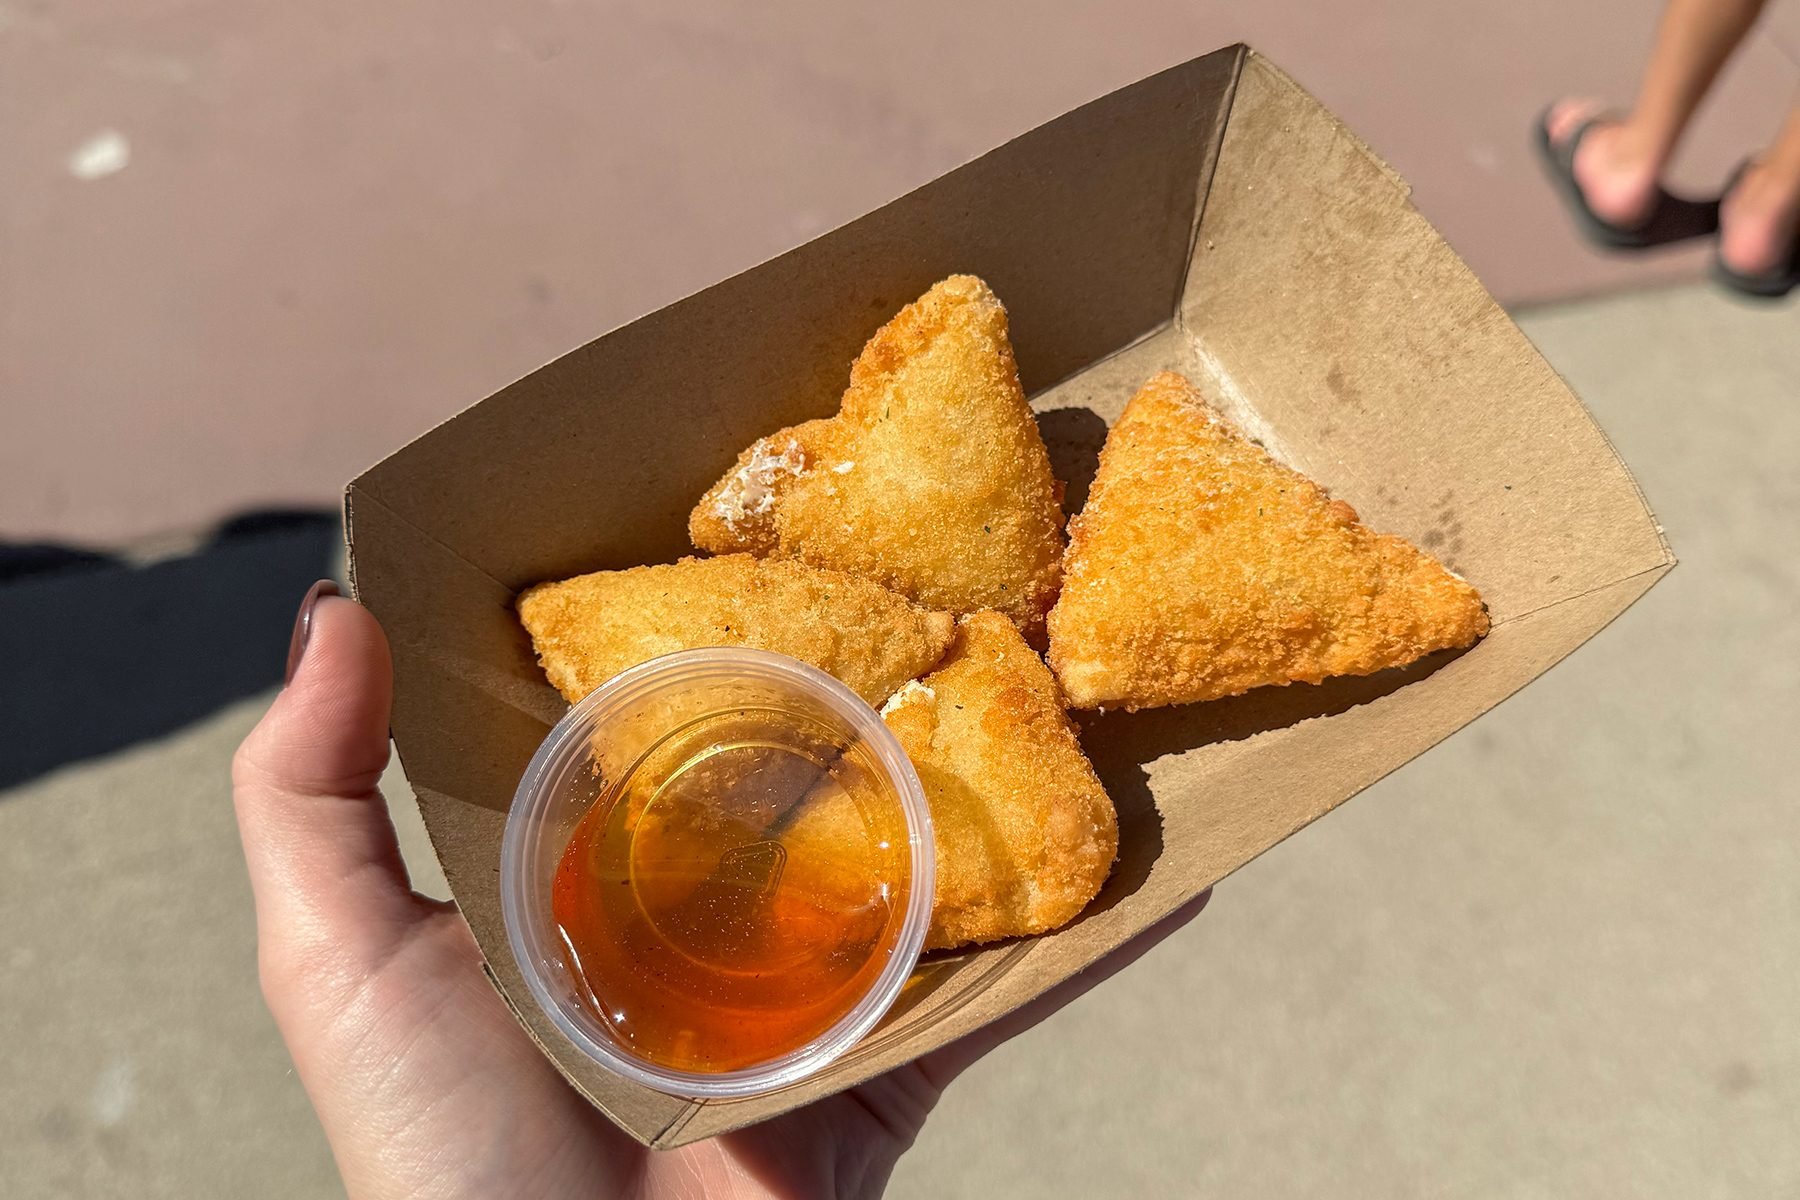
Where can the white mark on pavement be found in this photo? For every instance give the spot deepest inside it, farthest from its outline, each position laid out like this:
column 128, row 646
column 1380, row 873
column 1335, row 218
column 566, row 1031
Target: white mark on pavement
column 106, row 153
column 114, row 1092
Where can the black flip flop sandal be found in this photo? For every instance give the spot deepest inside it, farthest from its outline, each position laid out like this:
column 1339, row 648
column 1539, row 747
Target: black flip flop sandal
column 1763, row 285
column 1672, row 218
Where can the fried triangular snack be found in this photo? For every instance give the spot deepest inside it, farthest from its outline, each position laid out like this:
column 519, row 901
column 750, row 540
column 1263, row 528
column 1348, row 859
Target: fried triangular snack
column 1025, row 832
column 1203, row 568
column 932, row 479
column 588, row 629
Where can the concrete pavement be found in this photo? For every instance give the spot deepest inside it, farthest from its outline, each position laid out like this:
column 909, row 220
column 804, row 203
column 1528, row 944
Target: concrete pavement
column 279, row 240
column 1557, row 956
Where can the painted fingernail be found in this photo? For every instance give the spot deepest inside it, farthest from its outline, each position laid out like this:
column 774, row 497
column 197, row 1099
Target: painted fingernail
column 303, row 624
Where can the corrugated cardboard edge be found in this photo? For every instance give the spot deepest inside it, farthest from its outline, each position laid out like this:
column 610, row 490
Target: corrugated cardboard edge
column 889, row 254
column 1275, row 73
column 680, row 1131
column 367, row 497
column 1585, row 613
column 1214, row 302
column 1263, row 64
column 1576, row 616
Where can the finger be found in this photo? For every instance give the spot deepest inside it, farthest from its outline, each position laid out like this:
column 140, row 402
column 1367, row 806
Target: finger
column 942, row 1066
column 324, row 864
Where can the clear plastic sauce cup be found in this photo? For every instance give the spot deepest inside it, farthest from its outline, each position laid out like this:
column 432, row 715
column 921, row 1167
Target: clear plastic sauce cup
column 717, row 872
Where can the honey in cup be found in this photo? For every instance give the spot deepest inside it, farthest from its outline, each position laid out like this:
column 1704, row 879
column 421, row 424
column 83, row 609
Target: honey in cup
column 740, row 883
column 735, row 895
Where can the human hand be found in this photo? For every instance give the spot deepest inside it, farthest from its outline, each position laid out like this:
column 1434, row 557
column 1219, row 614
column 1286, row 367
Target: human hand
column 423, row 1080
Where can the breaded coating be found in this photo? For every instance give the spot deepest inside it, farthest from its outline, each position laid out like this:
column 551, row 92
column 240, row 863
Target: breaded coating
column 1203, row 568
column 931, row 480
column 1025, row 833
column 588, row 629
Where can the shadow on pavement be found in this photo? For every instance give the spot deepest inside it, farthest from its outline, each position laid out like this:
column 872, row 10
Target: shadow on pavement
column 98, row 653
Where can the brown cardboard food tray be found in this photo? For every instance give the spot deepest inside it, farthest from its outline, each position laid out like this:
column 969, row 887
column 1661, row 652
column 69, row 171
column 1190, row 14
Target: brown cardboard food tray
column 1213, row 219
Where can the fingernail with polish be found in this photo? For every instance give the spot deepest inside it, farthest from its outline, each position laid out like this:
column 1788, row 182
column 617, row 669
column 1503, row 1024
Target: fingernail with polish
column 303, row 624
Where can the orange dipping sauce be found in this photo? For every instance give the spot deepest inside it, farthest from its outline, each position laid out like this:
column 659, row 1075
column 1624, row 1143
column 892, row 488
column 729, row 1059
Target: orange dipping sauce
column 736, row 893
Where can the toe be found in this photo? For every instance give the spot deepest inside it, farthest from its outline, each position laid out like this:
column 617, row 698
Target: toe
column 1566, row 116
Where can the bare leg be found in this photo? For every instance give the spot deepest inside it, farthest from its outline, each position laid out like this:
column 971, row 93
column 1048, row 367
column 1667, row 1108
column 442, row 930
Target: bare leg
column 1619, row 164
column 1761, row 217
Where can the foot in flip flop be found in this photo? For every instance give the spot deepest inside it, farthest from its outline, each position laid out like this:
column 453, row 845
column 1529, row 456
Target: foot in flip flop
column 1759, row 233
column 1608, row 179
column 1617, row 176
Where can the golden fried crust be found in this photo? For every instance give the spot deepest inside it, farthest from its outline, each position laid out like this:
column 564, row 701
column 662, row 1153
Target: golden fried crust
column 588, row 629
column 1202, row 568
column 1025, row 833
column 932, row 479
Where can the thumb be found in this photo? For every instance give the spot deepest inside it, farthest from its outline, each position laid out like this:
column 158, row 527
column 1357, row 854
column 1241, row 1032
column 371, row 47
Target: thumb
column 324, row 864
